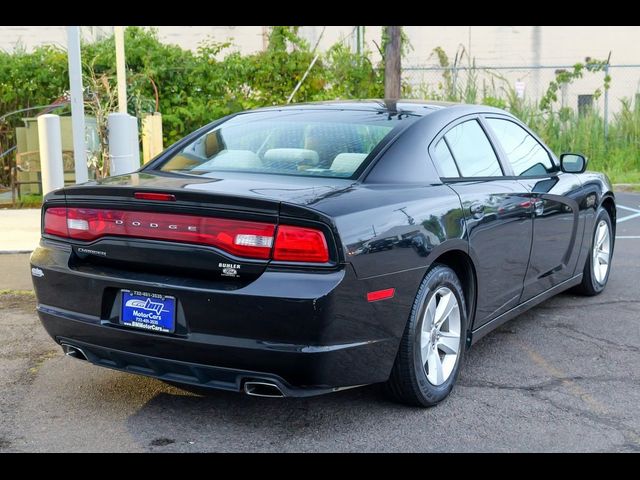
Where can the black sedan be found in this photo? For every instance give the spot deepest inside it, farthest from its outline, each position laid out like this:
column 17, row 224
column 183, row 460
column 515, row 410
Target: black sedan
column 300, row 250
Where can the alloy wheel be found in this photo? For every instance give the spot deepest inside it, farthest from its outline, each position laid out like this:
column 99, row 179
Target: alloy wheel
column 440, row 336
column 601, row 252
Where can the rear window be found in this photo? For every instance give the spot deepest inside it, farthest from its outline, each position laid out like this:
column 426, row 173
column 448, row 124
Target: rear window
column 288, row 142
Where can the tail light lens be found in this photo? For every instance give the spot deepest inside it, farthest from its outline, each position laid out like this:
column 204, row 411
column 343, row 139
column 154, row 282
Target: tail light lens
column 55, row 222
column 158, row 197
column 237, row 237
column 299, row 244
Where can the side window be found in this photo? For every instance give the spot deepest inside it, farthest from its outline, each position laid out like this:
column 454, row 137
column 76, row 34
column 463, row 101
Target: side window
column 527, row 157
column 472, row 151
column 444, row 160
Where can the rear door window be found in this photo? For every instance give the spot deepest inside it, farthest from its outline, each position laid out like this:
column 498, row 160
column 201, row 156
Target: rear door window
column 444, row 160
column 472, row 150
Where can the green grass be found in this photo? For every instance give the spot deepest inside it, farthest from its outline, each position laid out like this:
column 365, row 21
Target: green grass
column 29, row 200
column 29, row 293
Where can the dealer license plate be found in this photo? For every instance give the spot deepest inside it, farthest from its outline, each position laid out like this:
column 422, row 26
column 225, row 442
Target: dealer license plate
column 148, row 311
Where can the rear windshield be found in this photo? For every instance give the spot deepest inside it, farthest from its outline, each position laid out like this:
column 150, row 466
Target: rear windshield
column 320, row 143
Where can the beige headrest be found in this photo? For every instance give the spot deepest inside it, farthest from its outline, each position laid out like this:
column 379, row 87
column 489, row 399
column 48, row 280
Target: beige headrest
column 293, row 155
column 347, row 162
column 233, row 159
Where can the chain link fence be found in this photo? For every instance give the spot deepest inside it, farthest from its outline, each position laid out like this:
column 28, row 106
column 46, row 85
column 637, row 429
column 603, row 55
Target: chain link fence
column 476, row 83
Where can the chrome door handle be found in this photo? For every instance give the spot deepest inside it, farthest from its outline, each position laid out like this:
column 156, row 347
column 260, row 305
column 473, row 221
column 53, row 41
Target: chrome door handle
column 538, row 207
column 477, row 210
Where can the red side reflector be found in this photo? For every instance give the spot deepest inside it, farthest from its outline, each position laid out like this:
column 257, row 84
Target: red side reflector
column 299, row 244
column 160, row 197
column 381, row 294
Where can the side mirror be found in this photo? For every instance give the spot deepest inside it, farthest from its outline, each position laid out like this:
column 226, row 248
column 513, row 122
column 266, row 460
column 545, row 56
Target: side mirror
column 573, row 163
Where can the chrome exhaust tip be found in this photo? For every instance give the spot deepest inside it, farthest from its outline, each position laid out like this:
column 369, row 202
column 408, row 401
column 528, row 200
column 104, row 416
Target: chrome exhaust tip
column 73, row 352
column 262, row 389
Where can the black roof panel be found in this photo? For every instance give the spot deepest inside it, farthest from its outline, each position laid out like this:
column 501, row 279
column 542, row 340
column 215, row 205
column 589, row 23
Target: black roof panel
column 416, row 107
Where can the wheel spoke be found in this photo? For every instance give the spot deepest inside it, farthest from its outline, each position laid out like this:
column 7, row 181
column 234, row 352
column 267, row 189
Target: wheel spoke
column 602, row 242
column 446, row 305
column 449, row 344
column 601, row 234
column 602, row 272
column 601, row 255
column 603, row 258
column 435, row 375
column 429, row 314
column 424, row 345
column 448, row 362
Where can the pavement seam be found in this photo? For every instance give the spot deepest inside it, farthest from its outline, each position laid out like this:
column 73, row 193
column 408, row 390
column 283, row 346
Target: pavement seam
column 585, row 304
column 595, row 340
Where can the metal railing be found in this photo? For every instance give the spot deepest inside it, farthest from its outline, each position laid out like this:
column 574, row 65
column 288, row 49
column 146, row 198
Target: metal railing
column 30, row 162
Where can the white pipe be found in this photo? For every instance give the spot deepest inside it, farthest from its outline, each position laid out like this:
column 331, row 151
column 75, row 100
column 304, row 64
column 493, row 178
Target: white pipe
column 50, row 146
column 135, row 143
column 120, row 144
column 77, row 104
column 120, row 69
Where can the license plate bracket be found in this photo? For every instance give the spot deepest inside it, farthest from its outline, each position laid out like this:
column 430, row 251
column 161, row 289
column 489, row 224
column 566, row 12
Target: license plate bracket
column 148, row 311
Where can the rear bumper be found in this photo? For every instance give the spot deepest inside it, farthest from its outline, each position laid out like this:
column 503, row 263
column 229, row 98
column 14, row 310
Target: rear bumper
column 308, row 333
column 182, row 372
column 217, row 361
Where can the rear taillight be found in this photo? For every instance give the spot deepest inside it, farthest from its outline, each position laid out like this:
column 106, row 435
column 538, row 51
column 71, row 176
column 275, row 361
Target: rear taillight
column 55, row 222
column 237, row 237
column 299, row 244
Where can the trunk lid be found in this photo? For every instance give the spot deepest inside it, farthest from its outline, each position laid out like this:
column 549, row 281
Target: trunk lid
column 235, row 190
column 253, row 198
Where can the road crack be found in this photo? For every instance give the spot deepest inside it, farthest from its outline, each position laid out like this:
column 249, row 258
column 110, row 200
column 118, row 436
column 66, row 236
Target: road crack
column 549, row 384
column 583, row 305
column 594, row 340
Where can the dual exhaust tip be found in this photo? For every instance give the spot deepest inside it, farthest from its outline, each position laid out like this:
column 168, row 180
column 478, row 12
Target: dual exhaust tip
column 73, row 352
column 251, row 387
column 262, row 389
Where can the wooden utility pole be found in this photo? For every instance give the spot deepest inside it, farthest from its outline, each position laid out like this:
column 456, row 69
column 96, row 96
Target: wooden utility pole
column 392, row 63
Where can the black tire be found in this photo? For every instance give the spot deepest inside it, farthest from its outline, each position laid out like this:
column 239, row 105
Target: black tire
column 408, row 382
column 589, row 286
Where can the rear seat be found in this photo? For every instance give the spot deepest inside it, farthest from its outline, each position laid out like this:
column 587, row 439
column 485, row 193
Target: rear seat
column 291, row 158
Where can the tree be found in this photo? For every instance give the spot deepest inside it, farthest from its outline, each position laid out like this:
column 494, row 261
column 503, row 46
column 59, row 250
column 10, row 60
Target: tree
column 392, row 63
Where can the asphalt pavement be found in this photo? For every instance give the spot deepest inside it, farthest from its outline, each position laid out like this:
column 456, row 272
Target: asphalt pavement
column 564, row 376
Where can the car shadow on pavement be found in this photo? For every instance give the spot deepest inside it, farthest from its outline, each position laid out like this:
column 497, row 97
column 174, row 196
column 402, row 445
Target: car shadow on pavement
column 227, row 421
